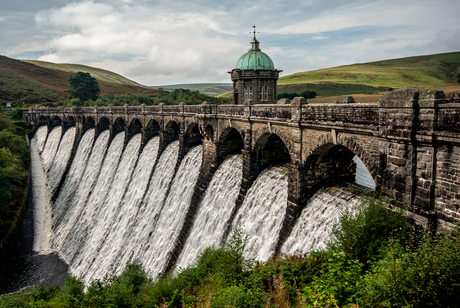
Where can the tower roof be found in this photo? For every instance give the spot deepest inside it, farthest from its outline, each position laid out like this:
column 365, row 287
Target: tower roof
column 255, row 59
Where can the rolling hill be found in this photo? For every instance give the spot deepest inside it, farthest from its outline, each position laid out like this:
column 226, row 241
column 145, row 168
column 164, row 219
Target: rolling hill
column 437, row 71
column 212, row 89
column 23, row 82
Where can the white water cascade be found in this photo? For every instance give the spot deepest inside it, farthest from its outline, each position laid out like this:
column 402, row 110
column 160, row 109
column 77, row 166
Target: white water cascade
column 51, row 147
column 139, row 240
column 116, row 205
column 214, row 211
column 41, row 199
column 119, row 239
column 66, row 237
column 174, row 210
column 60, row 159
column 311, row 231
column 262, row 212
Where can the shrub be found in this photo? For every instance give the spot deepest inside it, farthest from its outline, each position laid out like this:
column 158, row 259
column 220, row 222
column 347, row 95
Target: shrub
column 361, row 234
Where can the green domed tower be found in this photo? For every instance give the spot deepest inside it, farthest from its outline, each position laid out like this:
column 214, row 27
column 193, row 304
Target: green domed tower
column 254, row 77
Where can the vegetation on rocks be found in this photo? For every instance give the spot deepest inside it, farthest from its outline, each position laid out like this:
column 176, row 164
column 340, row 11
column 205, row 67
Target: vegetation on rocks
column 14, row 162
column 371, row 261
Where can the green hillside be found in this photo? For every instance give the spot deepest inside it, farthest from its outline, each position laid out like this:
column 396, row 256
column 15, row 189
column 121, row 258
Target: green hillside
column 99, row 74
column 431, row 71
column 211, row 89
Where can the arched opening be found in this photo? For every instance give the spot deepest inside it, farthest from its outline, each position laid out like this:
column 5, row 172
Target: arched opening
column 192, row 136
column 88, row 122
column 231, row 142
column 118, row 126
column 152, row 129
column 331, row 164
column 54, row 121
column 103, row 124
column 135, row 127
column 171, row 132
column 270, row 150
column 69, row 122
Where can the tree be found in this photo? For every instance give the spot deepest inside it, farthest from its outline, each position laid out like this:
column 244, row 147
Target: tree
column 83, row 86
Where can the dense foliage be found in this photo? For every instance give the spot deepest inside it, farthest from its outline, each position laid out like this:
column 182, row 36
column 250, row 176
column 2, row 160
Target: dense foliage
column 135, row 99
column 83, row 86
column 14, row 161
column 404, row 271
column 305, row 94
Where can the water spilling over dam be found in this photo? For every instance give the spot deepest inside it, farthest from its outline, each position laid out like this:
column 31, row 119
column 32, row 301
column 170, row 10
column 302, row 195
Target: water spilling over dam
column 118, row 203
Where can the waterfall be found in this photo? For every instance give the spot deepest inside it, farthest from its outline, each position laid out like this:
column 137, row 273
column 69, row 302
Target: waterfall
column 174, row 210
column 262, row 212
column 51, row 147
column 41, row 199
column 94, row 210
column 311, row 231
column 117, row 205
column 40, row 137
column 67, row 238
column 363, row 176
column 61, row 158
column 138, row 241
column 63, row 205
column 214, row 211
column 119, row 239
column 109, row 217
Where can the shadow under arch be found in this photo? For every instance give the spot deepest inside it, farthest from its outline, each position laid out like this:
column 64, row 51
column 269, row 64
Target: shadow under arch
column 231, row 142
column 118, row 126
column 54, row 121
column 151, row 129
column 102, row 125
column 134, row 128
column 270, row 150
column 171, row 132
column 330, row 164
column 192, row 136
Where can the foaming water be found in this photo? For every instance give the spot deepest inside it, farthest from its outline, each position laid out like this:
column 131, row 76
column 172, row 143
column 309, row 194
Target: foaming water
column 63, row 205
column 262, row 212
column 110, row 213
column 94, row 209
column 51, row 147
column 119, row 240
column 40, row 137
column 41, row 200
column 312, row 228
column 173, row 212
column 363, row 176
column 61, row 158
column 140, row 238
column 214, row 212
column 67, row 239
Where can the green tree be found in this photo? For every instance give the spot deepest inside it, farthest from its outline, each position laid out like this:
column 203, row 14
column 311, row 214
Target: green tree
column 83, row 86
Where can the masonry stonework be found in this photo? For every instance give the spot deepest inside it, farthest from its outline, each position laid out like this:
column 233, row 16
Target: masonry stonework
column 409, row 142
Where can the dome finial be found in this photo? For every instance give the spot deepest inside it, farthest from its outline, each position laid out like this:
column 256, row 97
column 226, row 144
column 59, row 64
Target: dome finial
column 254, row 32
column 254, row 42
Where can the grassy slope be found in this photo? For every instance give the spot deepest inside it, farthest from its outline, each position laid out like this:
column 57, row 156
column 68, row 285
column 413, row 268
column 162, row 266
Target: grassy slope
column 212, row 89
column 24, row 82
column 424, row 71
column 99, row 74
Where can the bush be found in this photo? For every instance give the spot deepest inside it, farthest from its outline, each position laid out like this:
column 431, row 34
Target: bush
column 361, row 234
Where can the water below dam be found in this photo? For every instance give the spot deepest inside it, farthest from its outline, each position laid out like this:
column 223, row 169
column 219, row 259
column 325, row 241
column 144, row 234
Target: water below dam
column 116, row 204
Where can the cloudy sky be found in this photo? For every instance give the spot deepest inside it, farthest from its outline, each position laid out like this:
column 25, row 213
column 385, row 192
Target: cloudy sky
column 188, row 41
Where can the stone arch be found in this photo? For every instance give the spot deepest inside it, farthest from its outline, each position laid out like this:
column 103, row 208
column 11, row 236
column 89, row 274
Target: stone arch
column 54, row 121
column 118, row 126
column 192, row 135
column 135, row 127
column 103, row 124
column 270, row 150
column 231, row 142
column 330, row 163
column 171, row 132
column 88, row 122
column 151, row 129
column 69, row 121
column 276, row 131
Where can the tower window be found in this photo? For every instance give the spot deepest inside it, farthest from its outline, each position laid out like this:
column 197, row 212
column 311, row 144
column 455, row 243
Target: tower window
column 248, row 93
column 266, row 93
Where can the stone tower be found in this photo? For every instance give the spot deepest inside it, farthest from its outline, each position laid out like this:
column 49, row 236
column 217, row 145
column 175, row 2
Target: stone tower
column 254, row 77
